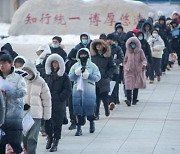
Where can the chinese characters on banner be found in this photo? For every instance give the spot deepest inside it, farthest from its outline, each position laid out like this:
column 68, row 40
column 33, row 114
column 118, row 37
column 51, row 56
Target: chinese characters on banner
column 94, row 19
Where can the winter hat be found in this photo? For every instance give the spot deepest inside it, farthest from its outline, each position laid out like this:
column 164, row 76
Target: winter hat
column 20, row 59
column 118, row 25
column 135, row 30
column 57, row 38
column 110, row 37
column 46, row 50
column 175, row 12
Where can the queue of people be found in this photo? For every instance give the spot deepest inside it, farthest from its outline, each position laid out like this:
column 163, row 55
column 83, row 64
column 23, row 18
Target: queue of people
column 90, row 73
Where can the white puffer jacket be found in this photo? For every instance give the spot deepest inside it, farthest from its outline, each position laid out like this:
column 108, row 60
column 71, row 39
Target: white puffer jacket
column 157, row 46
column 38, row 95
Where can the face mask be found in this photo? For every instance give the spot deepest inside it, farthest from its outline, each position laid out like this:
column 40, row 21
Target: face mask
column 133, row 45
column 155, row 35
column 85, row 42
column 54, row 45
column 29, row 77
column 83, row 59
column 140, row 38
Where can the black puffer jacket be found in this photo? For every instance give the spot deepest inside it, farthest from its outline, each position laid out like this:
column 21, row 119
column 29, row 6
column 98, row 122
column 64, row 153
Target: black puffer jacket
column 104, row 63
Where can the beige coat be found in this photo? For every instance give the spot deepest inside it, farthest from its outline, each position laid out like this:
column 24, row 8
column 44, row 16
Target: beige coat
column 38, row 95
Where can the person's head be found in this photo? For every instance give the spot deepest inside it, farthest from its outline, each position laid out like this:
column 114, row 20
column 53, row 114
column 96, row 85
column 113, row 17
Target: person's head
column 99, row 47
column 118, row 27
column 175, row 15
column 56, row 41
column 110, row 39
column 84, row 37
column 19, row 62
column 162, row 20
column 147, row 27
column 30, row 75
column 103, row 36
column 174, row 23
column 83, row 55
column 6, row 63
column 155, row 33
column 55, row 65
column 133, row 45
column 140, row 36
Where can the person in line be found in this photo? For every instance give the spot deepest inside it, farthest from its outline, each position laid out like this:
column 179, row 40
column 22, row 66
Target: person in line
column 60, row 88
column 101, row 56
column 134, row 69
column 13, row 93
column 38, row 98
column 157, row 46
column 84, row 101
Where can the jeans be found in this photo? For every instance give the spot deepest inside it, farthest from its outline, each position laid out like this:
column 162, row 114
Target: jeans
column 31, row 139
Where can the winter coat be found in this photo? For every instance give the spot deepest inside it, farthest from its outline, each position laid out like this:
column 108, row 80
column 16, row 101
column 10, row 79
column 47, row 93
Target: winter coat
column 60, row 88
column 2, row 109
column 118, row 56
column 133, row 62
column 146, row 48
column 175, row 39
column 147, row 34
column 7, row 48
column 14, row 107
column 38, row 95
column 157, row 46
column 80, row 45
column 84, row 103
column 104, row 63
column 60, row 52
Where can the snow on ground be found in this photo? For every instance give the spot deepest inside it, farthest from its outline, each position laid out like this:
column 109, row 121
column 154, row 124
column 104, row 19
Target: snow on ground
column 167, row 8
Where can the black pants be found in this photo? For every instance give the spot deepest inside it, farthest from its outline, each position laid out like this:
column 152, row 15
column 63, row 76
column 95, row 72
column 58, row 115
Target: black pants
column 155, row 68
column 114, row 97
column 129, row 95
column 16, row 148
column 165, row 60
column 105, row 99
column 71, row 114
column 178, row 56
column 81, row 120
column 53, row 131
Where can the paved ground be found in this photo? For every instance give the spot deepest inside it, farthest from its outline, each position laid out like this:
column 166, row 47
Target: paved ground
column 151, row 127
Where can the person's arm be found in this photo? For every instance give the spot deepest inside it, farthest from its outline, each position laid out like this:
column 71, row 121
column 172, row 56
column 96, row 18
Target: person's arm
column 2, row 109
column 110, row 68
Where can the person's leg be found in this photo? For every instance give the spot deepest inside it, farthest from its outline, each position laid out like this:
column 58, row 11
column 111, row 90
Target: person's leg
column 151, row 70
column 98, row 102
column 129, row 97
column 158, row 68
column 105, row 100
column 92, row 124
column 32, row 137
column 72, row 116
column 49, row 132
column 80, row 121
column 135, row 95
column 42, row 129
column 2, row 148
column 17, row 148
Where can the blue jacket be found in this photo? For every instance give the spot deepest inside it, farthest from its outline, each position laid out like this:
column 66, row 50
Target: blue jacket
column 84, row 102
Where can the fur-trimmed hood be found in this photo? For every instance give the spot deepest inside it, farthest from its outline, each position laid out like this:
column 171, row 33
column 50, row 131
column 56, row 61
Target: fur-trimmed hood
column 48, row 64
column 107, row 49
column 134, row 40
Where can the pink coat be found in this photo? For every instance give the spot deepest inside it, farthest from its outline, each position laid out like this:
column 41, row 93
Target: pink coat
column 133, row 63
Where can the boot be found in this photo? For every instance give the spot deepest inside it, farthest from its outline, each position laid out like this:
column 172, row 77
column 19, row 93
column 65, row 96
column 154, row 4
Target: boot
column 54, row 145
column 107, row 111
column 135, row 102
column 79, row 131
column 49, row 142
column 128, row 102
column 92, row 127
column 72, row 126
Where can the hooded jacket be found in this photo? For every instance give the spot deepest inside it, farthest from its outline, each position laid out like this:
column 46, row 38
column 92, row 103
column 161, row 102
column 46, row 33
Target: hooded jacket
column 38, row 96
column 60, row 88
column 104, row 63
column 7, row 48
column 84, row 103
column 133, row 62
column 147, row 34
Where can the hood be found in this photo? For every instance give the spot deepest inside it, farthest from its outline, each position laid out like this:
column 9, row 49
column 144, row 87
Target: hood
column 147, row 22
column 118, row 25
column 46, row 50
column 88, row 36
column 107, row 49
column 29, row 65
column 20, row 57
column 86, row 49
column 59, row 59
column 140, row 33
column 128, row 35
column 134, row 40
column 162, row 18
column 7, row 46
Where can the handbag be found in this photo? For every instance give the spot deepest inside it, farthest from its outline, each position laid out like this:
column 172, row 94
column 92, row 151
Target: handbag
column 80, row 86
column 27, row 123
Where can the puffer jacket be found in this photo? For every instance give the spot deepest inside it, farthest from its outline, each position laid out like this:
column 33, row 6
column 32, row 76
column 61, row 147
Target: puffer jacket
column 2, row 109
column 38, row 94
column 14, row 107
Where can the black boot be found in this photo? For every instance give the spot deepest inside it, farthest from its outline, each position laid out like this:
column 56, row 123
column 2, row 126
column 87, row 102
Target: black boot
column 54, row 145
column 79, row 131
column 92, row 127
column 72, row 126
column 49, row 143
column 107, row 112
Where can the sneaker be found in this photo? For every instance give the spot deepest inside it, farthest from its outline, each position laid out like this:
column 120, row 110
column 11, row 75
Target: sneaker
column 72, row 126
column 111, row 106
column 135, row 102
column 96, row 117
column 158, row 78
column 151, row 81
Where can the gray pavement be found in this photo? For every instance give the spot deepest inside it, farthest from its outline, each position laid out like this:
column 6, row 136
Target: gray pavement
column 151, row 127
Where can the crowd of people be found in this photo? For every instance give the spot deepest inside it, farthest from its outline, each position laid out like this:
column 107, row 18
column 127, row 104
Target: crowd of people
column 90, row 73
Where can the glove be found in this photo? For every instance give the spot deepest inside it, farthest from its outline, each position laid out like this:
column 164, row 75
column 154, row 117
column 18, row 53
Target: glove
column 78, row 71
column 26, row 107
column 85, row 74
